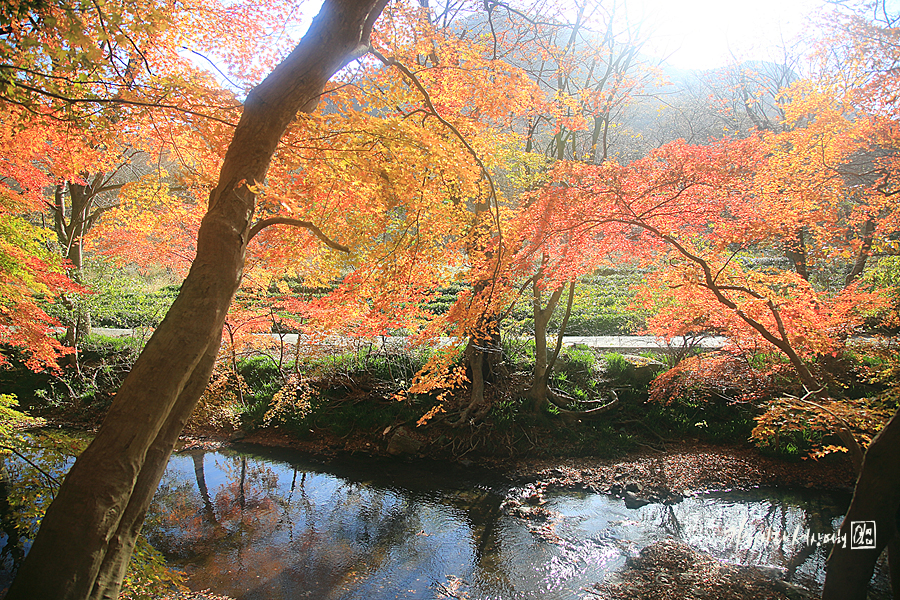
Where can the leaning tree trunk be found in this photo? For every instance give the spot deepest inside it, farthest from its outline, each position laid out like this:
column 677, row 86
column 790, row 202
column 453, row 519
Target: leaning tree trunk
column 876, row 499
column 88, row 533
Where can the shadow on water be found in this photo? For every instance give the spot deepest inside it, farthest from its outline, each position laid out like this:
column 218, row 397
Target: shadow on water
column 266, row 524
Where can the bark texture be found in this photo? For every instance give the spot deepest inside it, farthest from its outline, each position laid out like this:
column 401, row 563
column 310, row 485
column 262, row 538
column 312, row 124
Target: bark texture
column 876, row 498
column 88, row 533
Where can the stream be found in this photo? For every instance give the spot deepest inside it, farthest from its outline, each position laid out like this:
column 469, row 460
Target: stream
column 272, row 524
column 268, row 524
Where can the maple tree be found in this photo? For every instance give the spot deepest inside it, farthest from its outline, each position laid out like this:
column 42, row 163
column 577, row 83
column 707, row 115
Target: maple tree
column 109, row 558
column 71, row 177
column 404, row 170
column 88, row 92
column 596, row 69
column 186, row 342
column 818, row 189
column 30, row 273
column 586, row 68
column 702, row 210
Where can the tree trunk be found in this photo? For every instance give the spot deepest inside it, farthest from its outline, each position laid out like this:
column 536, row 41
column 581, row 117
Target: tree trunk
column 865, row 249
column 121, row 544
column 796, row 253
column 542, row 316
column 71, row 237
column 485, row 356
column 88, row 533
column 876, row 499
column 539, row 393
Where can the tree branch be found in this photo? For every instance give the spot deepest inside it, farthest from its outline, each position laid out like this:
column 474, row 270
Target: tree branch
column 70, row 100
column 49, row 477
column 426, row 97
column 857, row 453
column 296, row 223
column 551, row 362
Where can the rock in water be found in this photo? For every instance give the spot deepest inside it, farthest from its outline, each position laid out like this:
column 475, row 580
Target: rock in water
column 632, row 500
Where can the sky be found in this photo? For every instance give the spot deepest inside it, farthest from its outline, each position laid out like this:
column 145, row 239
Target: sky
column 702, row 34
column 705, row 34
column 699, row 34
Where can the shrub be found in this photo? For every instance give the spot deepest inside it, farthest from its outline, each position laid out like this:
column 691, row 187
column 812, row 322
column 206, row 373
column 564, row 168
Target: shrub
column 707, row 377
column 710, row 396
column 290, row 405
column 85, row 392
column 220, row 405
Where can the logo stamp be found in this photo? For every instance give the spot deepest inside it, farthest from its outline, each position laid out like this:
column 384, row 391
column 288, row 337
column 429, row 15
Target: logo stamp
column 862, row 535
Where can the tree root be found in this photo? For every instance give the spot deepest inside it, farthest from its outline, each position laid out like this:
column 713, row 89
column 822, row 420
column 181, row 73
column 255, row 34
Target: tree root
column 587, row 415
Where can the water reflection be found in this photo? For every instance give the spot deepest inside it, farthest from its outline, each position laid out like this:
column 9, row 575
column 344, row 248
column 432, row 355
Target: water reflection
column 255, row 527
column 757, row 527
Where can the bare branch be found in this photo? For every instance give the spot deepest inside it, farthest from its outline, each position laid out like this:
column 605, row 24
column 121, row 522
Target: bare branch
column 214, row 66
column 296, row 223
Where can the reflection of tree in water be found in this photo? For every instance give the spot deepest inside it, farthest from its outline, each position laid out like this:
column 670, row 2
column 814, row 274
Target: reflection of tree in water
column 13, row 552
column 250, row 530
column 186, row 520
column 209, row 512
column 481, row 510
column 769, row 532
column 285, row 532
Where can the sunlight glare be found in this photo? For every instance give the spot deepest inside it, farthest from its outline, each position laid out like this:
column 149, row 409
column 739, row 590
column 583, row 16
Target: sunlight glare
column 704, row 34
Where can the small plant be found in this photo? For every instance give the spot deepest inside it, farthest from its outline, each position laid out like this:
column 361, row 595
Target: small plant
column 811, row 425
column 616, row 365
column 505, row 412
column 577, row 374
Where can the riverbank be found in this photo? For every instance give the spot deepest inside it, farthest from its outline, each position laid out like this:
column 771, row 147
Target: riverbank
column 692, row 467
column 686, row 468
column 671, row 570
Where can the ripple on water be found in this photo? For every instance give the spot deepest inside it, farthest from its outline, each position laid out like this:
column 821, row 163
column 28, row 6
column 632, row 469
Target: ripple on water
column 278, row 529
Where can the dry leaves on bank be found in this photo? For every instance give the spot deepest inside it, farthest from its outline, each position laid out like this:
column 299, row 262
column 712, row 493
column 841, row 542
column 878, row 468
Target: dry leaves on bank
column 671, row 570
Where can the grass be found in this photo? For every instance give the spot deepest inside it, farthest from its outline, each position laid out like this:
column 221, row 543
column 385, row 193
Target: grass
column 616, row 366
column 602, row 306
